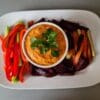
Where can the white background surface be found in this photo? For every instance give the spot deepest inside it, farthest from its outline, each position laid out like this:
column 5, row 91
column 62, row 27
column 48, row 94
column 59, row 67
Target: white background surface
column 92, row 93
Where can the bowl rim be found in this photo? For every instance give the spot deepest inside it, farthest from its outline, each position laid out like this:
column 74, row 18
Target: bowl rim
column 36, row 64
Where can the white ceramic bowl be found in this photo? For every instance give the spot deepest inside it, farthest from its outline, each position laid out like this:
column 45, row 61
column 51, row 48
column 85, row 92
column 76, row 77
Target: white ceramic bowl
column 45, row 66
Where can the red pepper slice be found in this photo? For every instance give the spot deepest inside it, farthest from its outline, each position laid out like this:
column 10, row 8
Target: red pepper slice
column 12, row 61
column 9, row 57
column 10, row 38
column 1, row 38
column 24, row 70
column 21, row 37
column 9, row 72
column 16, row 60
column 21, row 73
column 4, row 44
column 27, row 67
column 13, row 53
column 14, row 32
column 9, row 63
column 16, row 29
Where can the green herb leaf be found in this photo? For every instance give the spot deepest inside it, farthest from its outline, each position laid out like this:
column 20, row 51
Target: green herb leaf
column 55, row 53
column 33, row 39
column 54, row 45
column 50, row 35
column 36, row 42
column 33, row 46
column 43, row 50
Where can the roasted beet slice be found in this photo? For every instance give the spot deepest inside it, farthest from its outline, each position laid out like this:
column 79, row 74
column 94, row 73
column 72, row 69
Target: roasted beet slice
column 41, row 20
column 70, row 40
column 83, row 28
column 80, row 39
column 41, row 72
column 69, row 26
column 54, row 21
column 48, row 72
column 83, row 63
column 65, row 68
column 34, row 72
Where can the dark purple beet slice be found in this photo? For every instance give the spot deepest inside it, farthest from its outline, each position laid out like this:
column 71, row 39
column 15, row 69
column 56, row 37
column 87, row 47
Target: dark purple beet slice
column 70, row 40
column 46, row 72
column 34, row 72
column 66, row 25
column 83, row 63
column 41, row 20
column 80, row 39
column 54, row 21
column 66, row 67
column 43, row 72
column 69, row 26
column 82, row 27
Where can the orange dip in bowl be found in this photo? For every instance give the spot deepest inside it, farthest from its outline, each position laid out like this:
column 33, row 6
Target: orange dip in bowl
column 35, row 55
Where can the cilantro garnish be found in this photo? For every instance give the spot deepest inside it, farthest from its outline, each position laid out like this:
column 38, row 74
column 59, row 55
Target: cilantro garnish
column 46, row 42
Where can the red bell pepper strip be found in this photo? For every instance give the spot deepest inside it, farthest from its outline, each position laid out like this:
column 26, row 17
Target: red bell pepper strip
column 4, row 43
column 21, row 37
column 21, row 73
column 1, row 38
column 16, row 60
column 9, row 72
column 10, row 38
column 16, row 29
column 12, row 61
column 24, row 70
column 27, row 67
column 13, row 51
column 14, row 32
column 9, row 57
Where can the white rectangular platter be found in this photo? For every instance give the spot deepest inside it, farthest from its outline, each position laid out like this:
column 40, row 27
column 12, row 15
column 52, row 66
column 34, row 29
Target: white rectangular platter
column 88, row 77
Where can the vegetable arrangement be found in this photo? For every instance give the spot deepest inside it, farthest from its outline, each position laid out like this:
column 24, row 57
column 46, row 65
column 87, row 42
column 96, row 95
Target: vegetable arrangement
column 80, row 53
column 16, row 65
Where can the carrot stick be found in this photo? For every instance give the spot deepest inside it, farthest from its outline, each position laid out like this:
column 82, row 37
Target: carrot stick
column 78, row 55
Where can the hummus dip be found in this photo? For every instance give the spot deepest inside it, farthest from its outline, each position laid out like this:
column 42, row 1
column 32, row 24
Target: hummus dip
column 35, row 54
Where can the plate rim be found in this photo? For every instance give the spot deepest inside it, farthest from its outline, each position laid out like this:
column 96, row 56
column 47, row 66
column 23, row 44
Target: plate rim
column 92, row 84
